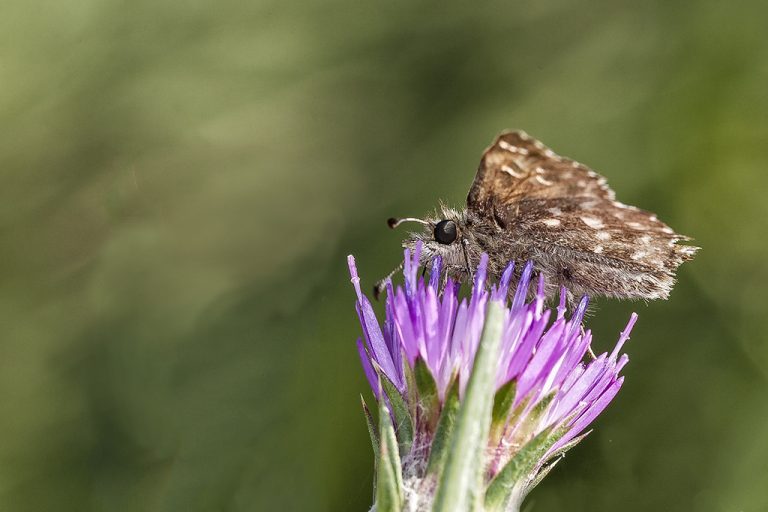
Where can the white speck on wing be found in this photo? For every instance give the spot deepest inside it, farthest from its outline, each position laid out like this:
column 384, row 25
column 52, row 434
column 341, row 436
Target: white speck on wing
column 592, row 222
column 512, row 148
column 507, row 169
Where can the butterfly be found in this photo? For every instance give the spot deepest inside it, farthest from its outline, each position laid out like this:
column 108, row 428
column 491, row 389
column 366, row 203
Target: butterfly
column 528, row 203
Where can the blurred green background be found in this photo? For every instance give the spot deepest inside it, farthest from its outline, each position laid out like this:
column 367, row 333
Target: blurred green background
column 181, row 183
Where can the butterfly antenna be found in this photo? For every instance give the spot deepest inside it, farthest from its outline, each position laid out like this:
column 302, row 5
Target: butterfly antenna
column 382, row 283
column 392, row 222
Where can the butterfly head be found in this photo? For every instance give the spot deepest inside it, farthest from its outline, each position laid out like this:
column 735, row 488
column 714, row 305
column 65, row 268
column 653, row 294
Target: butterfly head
column 446, row 234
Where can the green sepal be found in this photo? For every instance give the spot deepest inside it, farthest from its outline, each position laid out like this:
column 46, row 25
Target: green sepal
column 412, row 397
column 551, row 461
column 502, row 404
column 389, row 474
column 373, row 433
column 519, row 409
column 529, row 422
column 371, row 429
column 500, row 489
column 444, row 428
column 403, row 420
column 428, row 402
column 519, row 467
column 544, row 471
column 567, row 446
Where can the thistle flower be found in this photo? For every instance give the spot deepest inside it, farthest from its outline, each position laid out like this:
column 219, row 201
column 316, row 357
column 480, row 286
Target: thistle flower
column 478, row 398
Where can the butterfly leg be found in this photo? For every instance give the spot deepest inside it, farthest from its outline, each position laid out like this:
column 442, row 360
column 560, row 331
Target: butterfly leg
column 470, row 273
column 589, row 348
column 380, row 285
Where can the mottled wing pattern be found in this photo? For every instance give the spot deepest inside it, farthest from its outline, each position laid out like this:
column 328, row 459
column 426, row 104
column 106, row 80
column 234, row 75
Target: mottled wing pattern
column 517, row 167
column 568, row 217
column 601, row 230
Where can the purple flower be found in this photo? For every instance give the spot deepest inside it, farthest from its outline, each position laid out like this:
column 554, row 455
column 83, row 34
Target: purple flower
column 546, row 392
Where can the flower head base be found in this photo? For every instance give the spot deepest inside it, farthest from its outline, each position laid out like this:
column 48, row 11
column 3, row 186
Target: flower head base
column 420, row 362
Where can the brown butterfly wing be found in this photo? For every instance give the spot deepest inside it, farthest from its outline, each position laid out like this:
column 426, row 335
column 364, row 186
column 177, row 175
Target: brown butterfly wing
column 599, row 229
column 568, row 216
column 518, row 167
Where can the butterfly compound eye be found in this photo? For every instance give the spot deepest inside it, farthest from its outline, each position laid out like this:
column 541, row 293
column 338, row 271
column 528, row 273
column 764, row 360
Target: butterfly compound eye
column 445, row 232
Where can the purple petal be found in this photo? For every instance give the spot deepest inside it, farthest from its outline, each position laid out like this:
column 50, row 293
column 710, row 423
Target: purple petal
column 592, row 412
column 434, row 275
column 392, row 336
column 539, row 365
column 525, row 349
column 411, row 268
column 582, row 385
column 375, row 339
column 370, row 374
column 578, row 315
column 479, row 285
column 354, row 277
column 506, row 277
column 561, row 307
column 402, row 315
column 522, row 287
column 576, row 351
column 371, row 330
column 624, row 335
column 517, row 327
column 540, row 295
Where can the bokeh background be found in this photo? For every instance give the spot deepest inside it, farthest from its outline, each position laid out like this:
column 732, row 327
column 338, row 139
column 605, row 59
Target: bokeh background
column 182, row 181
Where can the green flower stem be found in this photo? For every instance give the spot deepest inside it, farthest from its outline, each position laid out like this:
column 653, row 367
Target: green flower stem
column 460, row 487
